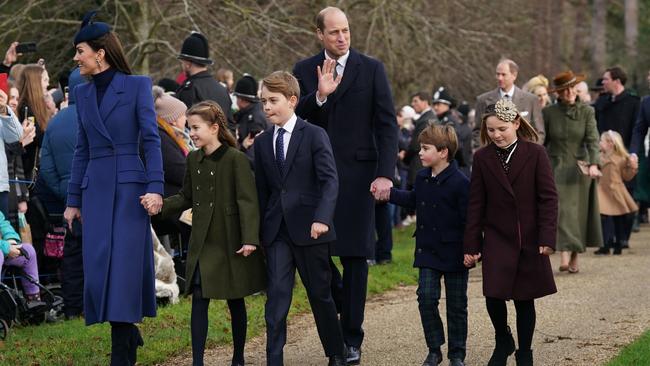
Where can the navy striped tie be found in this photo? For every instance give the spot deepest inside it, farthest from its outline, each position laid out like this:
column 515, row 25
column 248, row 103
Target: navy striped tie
column 279, row 150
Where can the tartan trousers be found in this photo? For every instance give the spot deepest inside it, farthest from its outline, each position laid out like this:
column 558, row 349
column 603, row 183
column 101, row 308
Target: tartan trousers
column 429, row 291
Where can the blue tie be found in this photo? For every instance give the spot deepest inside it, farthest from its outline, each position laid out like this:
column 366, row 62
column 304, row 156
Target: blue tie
column 279, row 150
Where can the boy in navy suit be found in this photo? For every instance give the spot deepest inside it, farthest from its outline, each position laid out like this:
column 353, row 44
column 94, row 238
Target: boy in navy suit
column 440, row 197
column 297, row 186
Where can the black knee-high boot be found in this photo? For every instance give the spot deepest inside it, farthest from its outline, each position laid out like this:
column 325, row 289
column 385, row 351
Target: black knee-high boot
column 136, row 341
column 505, row 344
column 121, row 335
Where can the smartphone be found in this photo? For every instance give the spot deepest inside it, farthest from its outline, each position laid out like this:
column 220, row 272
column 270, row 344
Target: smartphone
column 66, row 91
column 26, row 47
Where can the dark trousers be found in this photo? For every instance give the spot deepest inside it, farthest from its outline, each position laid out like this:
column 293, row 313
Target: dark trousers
column 384, row 228
column 283, row 257
column 614, row 229
column 4, row 204
column 429, row 292
column 72, row 272
column 349, row 292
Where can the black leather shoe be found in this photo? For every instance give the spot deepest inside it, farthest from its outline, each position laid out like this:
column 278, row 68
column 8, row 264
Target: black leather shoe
column 505, row 346
column 354, row 355
column 602, row 251
column 337, row 361
column 456, row 362
column 433, row 359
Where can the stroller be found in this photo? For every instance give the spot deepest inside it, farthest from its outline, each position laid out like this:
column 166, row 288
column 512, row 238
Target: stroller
column 14, row 307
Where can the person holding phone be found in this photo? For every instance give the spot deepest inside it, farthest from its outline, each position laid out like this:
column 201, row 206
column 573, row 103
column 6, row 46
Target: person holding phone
column 10, row 132
column 108, row 177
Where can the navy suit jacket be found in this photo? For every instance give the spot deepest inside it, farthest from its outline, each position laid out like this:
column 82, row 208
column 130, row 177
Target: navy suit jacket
column 641, row 127
column 305, row 193
column 441, row 207
column 359, row 118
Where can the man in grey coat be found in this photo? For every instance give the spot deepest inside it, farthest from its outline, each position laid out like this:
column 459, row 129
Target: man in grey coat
column 506, row 74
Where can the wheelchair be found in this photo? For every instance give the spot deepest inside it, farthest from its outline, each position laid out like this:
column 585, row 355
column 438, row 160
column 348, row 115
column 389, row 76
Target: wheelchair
column 16, row 309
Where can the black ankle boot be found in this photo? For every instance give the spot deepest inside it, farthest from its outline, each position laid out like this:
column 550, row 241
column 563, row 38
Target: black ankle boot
column 505, row 346
column 524, row 357
column 136, row 341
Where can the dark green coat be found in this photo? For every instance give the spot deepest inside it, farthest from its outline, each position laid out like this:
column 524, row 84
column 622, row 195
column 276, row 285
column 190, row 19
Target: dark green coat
column 571, row 135
column 220, row 189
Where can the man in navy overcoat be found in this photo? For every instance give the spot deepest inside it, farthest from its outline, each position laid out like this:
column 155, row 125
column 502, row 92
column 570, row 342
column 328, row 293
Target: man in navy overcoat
column 347, row 93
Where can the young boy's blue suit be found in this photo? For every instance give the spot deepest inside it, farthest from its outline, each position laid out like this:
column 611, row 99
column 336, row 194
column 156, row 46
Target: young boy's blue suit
column 291, row 200
column 441, row 208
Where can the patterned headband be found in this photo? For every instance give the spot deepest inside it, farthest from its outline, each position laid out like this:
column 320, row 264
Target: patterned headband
column 505, row 110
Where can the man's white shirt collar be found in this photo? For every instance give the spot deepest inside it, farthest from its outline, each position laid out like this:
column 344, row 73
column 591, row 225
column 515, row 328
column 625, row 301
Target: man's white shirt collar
column 510, row 92
column 341, row 60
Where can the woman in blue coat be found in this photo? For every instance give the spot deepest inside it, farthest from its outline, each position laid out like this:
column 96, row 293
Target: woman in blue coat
column 116, row 114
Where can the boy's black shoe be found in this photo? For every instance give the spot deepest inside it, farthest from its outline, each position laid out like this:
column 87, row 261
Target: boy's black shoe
column 505, row 346
column 456, row 362
column 354, row 355
column 618, row 251
column 602, row 251
column 524, row 357
column 433, row 359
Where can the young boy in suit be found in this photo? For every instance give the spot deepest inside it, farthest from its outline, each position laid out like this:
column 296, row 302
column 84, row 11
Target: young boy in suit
column 440, row 197
column 297, row 186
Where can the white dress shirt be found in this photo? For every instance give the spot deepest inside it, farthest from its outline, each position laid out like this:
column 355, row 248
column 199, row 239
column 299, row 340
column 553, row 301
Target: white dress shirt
column 510, row 92
column 288, row 131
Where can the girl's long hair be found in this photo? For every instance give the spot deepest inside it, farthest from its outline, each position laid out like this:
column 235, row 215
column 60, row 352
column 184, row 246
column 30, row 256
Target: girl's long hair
column 111, row 44
column 31, row 95
column 525, row 132
column 617, row 141
column 211, row 112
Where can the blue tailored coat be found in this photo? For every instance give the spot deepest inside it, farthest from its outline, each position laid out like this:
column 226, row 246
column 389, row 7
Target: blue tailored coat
column 441, row 209
column 106, row 181
column 359, row 118
column 305, row 193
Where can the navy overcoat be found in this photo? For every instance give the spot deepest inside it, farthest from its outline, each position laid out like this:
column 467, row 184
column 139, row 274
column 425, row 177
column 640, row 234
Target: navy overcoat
column 359, row 118
column 107, row 179
column 441, row 207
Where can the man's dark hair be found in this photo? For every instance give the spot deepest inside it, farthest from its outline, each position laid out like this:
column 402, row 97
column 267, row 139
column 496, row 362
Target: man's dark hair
column 617, row 73
column 422, row 95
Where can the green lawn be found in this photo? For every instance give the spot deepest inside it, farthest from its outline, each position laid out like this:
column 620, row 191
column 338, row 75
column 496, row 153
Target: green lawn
column 72, row 343
column 637, row 353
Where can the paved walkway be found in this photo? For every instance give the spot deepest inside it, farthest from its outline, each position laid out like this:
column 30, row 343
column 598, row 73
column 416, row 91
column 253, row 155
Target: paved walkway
column 593, row 315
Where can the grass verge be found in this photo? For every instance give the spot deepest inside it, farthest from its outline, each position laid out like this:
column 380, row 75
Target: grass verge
column 73, row 343
column 636, row 353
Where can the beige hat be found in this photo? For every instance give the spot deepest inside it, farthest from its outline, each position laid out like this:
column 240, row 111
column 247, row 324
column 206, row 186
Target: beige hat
column 167, row 107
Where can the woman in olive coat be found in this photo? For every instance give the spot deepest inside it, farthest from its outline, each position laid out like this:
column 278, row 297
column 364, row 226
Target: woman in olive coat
column 571, row 135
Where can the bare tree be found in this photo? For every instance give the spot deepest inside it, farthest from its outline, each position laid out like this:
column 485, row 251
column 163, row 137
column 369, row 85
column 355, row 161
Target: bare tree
column 598, row 34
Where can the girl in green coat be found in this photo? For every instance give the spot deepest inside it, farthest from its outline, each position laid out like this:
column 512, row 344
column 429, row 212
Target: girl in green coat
column 223, row 261
column 571, row 135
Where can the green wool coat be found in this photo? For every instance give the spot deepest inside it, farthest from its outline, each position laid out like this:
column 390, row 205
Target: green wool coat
column 571, row 135
column 220, row 189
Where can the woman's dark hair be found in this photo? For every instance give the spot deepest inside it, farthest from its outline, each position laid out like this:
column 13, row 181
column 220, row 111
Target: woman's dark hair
column 111, row 44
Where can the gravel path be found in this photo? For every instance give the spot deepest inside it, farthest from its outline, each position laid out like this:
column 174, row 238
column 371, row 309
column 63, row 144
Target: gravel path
column 593, row 315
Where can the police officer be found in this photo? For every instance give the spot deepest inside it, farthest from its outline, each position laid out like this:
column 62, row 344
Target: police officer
column 250, row 118
column 443, row 104
column 200, row 85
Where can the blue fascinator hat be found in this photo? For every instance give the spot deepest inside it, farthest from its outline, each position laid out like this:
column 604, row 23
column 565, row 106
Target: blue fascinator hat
column 90, row 29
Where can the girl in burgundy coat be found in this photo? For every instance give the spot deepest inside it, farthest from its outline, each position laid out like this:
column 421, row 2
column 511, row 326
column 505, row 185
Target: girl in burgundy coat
column 511, row 225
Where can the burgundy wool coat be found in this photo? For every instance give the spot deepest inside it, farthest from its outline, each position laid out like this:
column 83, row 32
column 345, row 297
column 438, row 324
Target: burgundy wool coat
column 509, row 217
